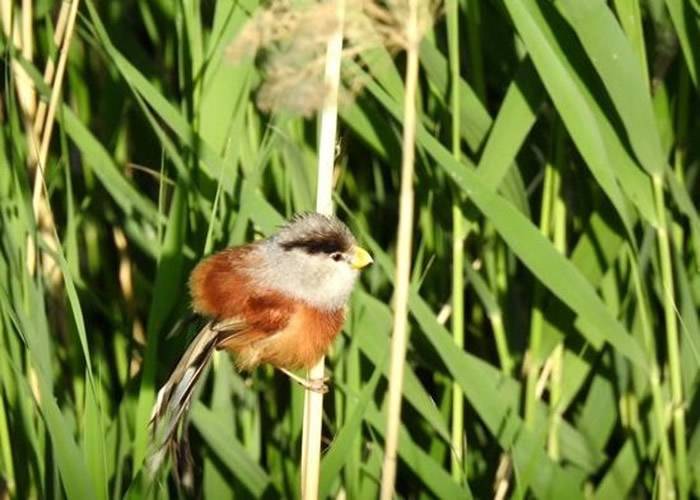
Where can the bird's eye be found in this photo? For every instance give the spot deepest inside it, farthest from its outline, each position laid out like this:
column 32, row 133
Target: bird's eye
column 336, row 256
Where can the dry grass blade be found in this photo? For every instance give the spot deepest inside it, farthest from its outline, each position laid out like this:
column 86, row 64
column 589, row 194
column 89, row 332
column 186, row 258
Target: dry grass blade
column 50, row 68
column 39, row 180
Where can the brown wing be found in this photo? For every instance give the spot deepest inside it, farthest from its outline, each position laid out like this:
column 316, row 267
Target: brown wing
column 221, row 287
column 220, row 284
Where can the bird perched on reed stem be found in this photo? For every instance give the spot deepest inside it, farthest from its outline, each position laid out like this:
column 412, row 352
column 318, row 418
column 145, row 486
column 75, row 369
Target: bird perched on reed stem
column 280, row 301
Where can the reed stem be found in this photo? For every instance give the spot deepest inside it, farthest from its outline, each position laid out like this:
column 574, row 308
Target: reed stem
column 399, row 338
column 53, row 105
column 557, row 356
column 552, row 222
column 458, row 448
column 457, row 456
column 313, row 401
column 666, row 481
column 677, row 403
column 532, row 361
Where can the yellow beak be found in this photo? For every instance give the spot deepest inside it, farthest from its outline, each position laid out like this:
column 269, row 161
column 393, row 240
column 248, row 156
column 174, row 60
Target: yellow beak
column 360, row 258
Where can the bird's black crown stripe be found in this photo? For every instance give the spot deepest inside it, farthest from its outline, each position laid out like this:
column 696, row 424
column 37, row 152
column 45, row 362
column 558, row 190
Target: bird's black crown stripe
column 314, row 244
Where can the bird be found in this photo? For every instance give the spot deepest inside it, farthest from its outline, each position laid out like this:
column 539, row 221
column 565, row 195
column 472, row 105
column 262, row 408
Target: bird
column 280, row 301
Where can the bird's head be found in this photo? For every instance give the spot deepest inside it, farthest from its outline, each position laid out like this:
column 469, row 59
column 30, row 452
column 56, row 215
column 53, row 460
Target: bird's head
column 313, row 258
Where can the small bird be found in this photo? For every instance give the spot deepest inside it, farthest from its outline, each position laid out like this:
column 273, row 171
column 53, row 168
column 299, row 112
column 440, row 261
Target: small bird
column 280, row 300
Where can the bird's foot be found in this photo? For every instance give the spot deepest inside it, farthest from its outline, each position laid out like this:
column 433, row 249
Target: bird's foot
column 315, row 384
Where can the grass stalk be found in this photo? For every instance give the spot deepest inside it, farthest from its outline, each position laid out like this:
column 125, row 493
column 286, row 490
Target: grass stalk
column 18, row 30
column 555, row 393
column 399, row 337
column 659, row 417
column 28, row 52
column 532, row 361
column 458, row 444
column 677, row 403
column 552, row 221
column 41, row 211
column 457, row 456
column 557, row 356
column 50, row 68
column 499, row 334
column 313, row 401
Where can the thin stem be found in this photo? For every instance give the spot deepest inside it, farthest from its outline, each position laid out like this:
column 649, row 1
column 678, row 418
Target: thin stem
column 677, row 404
column 399, row 339
column 559, row 238
column 457, row 456
column 458, row 450
column 18, row 32
column 313, row 401
column 499, row 334
column 666, row 481
column 532, row 362
column 53, row 105
column 50, row 68
column 555, row 393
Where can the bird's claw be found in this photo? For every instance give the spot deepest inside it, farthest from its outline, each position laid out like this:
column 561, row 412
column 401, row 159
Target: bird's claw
column 317, row 385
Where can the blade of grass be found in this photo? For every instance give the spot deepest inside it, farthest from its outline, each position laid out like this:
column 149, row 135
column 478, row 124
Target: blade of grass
column 223, row 442
column 570, row 102
column 535, row 251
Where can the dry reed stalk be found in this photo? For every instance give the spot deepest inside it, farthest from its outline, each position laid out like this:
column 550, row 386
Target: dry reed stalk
column 502, row 480
column 50, row 68
column 13, row 29
column 126, row 284
column 313, row 401
column 22, row 40
column 399, row 339
column 40, row 204
column 53, row 104
column 27, row 34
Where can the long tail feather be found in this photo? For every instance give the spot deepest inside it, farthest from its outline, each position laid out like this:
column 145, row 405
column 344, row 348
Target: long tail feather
column 175, row 396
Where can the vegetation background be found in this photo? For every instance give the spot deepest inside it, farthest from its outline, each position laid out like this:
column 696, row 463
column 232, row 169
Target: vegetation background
column 555, row 283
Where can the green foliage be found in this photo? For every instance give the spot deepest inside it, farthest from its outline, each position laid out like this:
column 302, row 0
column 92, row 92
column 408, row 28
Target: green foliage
column 577, row 181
